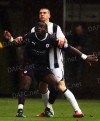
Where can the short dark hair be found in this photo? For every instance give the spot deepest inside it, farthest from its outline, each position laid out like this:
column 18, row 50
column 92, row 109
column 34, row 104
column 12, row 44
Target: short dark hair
column 41, row 23
column 45, row 8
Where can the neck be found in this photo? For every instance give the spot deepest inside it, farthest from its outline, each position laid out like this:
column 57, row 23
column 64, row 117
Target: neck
column 47, row 22
column 41, row 36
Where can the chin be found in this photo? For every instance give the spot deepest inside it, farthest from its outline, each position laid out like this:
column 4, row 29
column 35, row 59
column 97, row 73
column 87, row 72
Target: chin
column 42, row 19
column 38, row 34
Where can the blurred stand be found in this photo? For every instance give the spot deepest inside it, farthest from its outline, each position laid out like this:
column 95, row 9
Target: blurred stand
column 74, row 64
column 20, row 16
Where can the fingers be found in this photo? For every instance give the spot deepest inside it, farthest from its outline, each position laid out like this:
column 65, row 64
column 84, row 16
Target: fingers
column 7, row 35
column 93, row 58
column 96, row 59
column 19, row 39
column 61, row 43
column 89, row 63
column 6, row 32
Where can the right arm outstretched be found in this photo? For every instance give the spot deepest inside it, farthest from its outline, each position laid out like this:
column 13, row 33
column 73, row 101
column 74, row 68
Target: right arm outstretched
column 19, row 40
column 9, row 37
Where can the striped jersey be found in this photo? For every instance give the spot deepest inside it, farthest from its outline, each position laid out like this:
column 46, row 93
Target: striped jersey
column 55, row 53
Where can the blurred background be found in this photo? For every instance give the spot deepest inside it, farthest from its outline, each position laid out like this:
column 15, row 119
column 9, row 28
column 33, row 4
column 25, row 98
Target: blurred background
column 80, row 22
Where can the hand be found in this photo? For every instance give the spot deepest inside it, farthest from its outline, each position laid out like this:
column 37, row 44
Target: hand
column 91, row 58
column 61, row 42
column 7, row 35
column 19, row 39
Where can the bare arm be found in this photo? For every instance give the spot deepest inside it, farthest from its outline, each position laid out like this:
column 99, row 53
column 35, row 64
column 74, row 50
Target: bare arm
column 61, row 37
column 88, row 58
column 9, row 37
column 75, row 51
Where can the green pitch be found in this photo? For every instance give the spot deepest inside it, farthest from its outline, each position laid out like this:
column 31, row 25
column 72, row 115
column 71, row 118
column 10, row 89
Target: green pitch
column 63, row 110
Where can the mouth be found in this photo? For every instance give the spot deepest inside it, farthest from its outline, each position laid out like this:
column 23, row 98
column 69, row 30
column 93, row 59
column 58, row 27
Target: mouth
column 38, row 32
column 42, row 17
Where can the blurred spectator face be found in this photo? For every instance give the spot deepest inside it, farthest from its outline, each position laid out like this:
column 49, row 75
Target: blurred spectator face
column 79, row 30
column 44, row 14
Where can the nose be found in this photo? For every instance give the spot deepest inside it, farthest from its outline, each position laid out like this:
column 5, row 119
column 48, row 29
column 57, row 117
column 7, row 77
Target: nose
column 39, row 28
column 42, row 14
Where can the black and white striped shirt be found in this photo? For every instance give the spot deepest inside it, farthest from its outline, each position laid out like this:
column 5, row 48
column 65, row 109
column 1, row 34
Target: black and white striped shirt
column 55, row 54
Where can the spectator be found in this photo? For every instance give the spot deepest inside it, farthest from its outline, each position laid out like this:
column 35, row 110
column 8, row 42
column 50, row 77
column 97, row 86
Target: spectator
column 80, row 40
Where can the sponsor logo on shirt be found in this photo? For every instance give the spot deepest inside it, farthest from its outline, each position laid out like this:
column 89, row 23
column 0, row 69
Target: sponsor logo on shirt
column 37, row 52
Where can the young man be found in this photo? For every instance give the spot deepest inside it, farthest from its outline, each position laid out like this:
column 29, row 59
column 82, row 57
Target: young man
column 38, row 45
column 56, row 66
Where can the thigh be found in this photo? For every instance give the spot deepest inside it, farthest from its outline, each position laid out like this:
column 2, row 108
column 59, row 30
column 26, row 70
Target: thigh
column 42, row 72
column 59, row 73
column 28, row 70
column 46, row 75
column 50, row 79
column 43, row 87
column 26, row 76
column 62, row 86
column 25, row 82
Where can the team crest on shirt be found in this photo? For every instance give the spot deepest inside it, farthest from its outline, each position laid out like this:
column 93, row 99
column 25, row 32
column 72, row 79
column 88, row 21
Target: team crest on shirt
column 47, row 45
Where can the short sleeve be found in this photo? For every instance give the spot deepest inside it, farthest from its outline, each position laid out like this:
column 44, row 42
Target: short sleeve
column 60, row 33
column 33, row 30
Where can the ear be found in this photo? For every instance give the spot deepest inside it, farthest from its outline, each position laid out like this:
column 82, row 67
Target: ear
column 49, row 16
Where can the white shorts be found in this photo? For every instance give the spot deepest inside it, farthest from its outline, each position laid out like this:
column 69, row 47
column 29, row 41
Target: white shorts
column 59, row 73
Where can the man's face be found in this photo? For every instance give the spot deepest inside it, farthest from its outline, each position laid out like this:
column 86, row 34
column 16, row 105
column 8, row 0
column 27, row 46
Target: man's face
column 44, row 15
column 79, row 30
column 40, row 30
